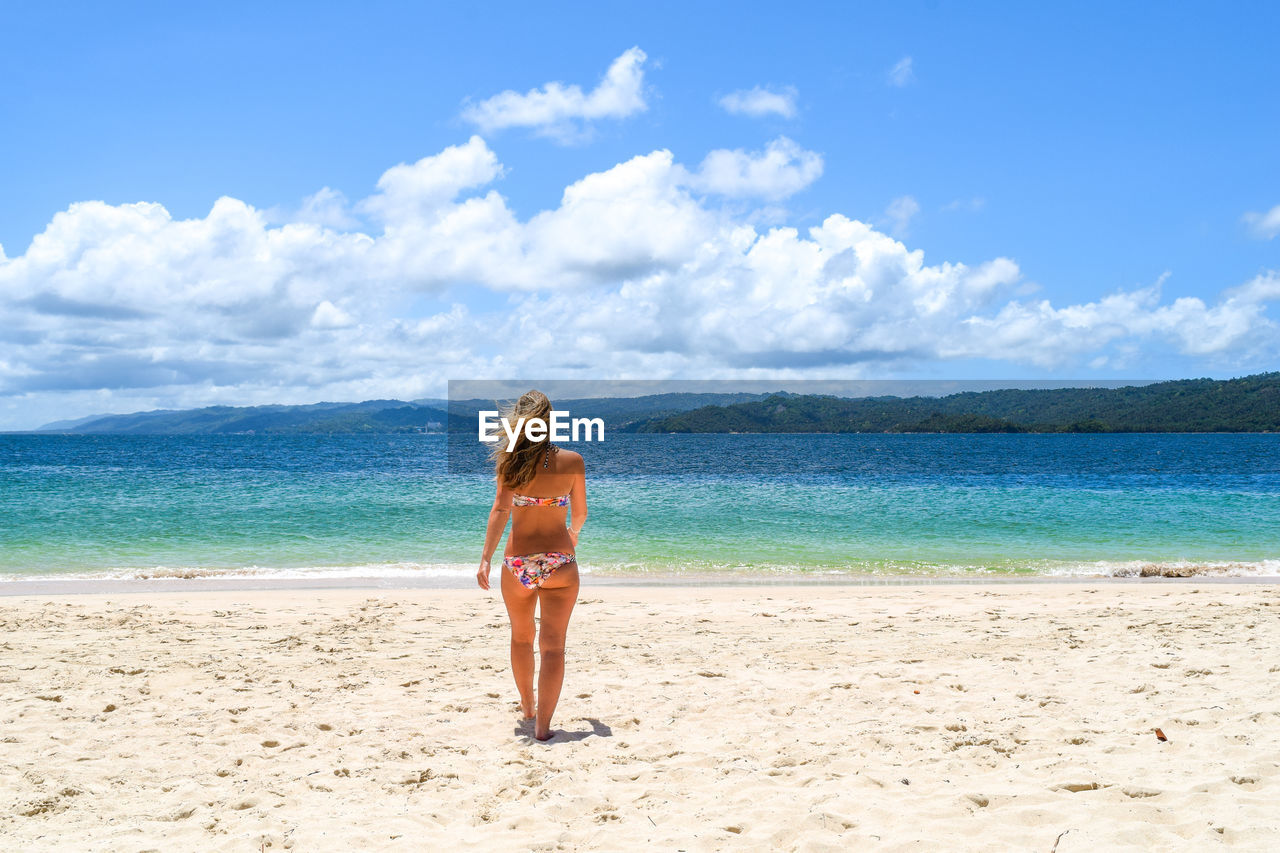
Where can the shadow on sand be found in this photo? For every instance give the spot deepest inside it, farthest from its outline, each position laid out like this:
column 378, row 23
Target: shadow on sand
column 598, row 729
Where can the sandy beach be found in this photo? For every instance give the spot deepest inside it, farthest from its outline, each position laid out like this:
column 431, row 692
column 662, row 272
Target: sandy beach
column 792, row 718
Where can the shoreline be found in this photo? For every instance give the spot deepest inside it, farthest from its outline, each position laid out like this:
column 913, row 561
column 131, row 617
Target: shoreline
column 165, row 586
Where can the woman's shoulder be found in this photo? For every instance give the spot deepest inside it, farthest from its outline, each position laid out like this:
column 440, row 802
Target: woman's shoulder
column 569, row 458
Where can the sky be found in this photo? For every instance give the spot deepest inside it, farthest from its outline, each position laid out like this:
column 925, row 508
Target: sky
column 241, row 204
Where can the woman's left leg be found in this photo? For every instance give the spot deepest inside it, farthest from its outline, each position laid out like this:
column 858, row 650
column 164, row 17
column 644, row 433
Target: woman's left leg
column 520, row 608
column 556, row 597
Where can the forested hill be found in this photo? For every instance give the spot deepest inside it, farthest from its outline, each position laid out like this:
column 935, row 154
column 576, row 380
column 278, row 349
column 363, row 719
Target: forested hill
column 374, row 416
column 1248, row 404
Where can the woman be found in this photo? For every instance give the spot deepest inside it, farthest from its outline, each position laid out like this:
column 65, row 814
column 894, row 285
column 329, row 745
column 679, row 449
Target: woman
column 536, row 482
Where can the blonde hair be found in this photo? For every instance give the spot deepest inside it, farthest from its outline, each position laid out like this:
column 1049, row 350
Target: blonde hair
column 518, row 466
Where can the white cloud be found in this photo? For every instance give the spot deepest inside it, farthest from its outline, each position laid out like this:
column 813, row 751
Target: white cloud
column 329, row 316
column 634, row 216
column 327, row 207
column 561, row 111
column 408, row 191
column 781, row 170
column 759, row 102
column 899, row 214
column 1264, row 226
column 902, row 73
column 122, row 307
column 1051, row 336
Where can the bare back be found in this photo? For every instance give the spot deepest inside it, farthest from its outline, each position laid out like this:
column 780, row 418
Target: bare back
column 538, row 529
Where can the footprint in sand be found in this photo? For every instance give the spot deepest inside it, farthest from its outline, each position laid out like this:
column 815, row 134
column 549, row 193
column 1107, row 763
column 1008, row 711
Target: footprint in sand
column 48, row 805
column 181, row 814
column 1139, row 793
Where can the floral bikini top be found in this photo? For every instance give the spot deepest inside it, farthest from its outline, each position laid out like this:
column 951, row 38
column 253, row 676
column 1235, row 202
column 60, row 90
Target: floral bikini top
column 527, row 500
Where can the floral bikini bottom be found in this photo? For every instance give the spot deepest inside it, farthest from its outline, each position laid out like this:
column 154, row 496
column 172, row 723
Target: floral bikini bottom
column 532, row 569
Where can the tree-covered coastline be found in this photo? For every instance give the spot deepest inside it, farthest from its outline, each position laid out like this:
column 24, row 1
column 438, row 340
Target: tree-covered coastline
column 1247, row 404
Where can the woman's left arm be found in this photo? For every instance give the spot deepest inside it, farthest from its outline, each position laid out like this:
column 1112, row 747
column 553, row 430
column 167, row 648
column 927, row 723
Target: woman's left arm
column 499, row 513
column 578, row 501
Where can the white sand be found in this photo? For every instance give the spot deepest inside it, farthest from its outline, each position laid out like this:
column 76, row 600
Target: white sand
column 832, row 718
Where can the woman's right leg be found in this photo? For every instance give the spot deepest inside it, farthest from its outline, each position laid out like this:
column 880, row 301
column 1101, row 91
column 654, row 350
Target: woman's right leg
column 520, row 603
column 556, row 597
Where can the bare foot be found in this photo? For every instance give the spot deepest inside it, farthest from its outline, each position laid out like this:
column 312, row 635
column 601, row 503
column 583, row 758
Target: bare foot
column 547, row 735
column 527, row 709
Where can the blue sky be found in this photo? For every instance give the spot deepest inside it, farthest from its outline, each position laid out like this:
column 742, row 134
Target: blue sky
column 1094, row 191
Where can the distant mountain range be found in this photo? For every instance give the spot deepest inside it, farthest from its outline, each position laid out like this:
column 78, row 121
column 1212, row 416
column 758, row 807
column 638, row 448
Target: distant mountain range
column 1248, row 404
column 372, row 416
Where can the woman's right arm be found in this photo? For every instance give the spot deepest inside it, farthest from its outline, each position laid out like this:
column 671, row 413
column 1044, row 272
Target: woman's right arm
column 499, row 513
column 578, row 501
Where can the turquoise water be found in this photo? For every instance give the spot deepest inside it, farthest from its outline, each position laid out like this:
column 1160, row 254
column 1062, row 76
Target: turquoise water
column 130, row 506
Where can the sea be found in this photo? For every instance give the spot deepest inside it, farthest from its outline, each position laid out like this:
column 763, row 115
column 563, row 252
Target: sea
column 662, row 507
